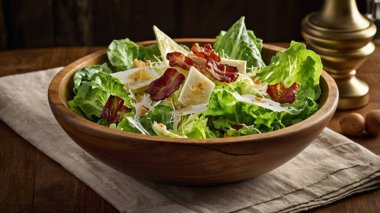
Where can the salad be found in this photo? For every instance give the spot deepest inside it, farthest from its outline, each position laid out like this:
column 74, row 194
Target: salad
column 214, row 90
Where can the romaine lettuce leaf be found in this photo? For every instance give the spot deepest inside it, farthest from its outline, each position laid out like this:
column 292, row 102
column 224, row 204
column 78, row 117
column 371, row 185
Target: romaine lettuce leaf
column 161, row 130
column 224, row 111
column 240, row 43
column 90, row 101
column 194, row 126
column 161, row 114
column 124, row 125
column 159, row 120
column 121, row 53
column 258, row 41
column 244, row 130
column 295, row 64
column 92, row 87
column 87, row 74
column 243, row 85
column 306, row 107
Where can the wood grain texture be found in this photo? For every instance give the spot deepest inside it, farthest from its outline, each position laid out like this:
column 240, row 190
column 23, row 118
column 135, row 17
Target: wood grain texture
column 48, row 23
column 268, row 19
column 30, row 23
column 14, row 199
column 66, row 19
column 31, row 181
column 370, row 73
column 17, row 173
column 3, row 30
column 16, row 62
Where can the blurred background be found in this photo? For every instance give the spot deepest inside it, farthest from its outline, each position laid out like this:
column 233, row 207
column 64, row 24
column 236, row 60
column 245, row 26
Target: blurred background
column 51, row 23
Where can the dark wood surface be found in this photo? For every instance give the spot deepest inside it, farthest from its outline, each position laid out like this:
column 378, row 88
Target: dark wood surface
column 3, row 36
column 52, row 23
column 32, row 182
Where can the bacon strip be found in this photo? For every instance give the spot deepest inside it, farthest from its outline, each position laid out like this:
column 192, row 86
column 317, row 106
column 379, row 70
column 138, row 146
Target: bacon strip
column 278, row 92
column 237, row 126
column 166, row 85
column 177, row 59
column 206, row 52
column 220, row 72
column 114, row 110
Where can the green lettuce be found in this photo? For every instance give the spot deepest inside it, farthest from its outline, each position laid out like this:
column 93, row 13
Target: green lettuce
column 191, row 126
column 295, row 64
column 225, row 111
column 161, row 114
column 194, row 126
column 242, row 85
column 161, row 130
column 305, row 107
column 88, row 74
column 243, row 130
column 121, row 53
column 90, row 101
column 92, row 87
column 126, row 125
column 240, row 43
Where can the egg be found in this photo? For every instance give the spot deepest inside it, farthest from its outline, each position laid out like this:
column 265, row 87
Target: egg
column 372, row 120
column 352, row 124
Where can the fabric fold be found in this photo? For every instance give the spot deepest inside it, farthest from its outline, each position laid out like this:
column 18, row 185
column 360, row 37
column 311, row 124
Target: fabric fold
column 331, row 168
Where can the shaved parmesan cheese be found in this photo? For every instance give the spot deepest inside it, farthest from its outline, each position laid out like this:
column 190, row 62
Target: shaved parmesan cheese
column 166, row 44
column 186, row 111
column 176, row 120
column 137, row 125
column 258, row 86
column 158, row 66
column 197, row 89
column 262, row 102
column 141, row 106
column 161, row 130
column 192, row 109
column 239, row 64
column 137, row 78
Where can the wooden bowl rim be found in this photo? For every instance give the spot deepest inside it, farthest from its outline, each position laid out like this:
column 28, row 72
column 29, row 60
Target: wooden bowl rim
column 55, row 100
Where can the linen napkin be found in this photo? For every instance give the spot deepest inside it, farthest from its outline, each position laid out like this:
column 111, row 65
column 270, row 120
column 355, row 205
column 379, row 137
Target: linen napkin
column 331, row 168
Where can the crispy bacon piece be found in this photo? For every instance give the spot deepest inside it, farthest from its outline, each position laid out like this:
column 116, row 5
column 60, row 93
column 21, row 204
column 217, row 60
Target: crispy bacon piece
column 278, row 92
column 114, row 110
column 206, row 52
column 164, row 86
column 237, row 126
column 177, row 59
column 221, row 72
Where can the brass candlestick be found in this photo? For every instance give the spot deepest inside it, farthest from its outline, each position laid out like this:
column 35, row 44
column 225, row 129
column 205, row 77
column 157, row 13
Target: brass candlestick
column 342, row 37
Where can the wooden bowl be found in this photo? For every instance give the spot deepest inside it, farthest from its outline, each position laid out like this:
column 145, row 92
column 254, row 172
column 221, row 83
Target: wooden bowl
column 187, row 161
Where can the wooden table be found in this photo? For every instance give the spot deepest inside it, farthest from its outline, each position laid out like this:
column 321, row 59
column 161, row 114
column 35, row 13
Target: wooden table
column 32, row 182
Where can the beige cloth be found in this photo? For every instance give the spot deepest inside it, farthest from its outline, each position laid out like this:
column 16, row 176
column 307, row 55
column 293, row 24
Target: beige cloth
column 331, row 168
